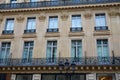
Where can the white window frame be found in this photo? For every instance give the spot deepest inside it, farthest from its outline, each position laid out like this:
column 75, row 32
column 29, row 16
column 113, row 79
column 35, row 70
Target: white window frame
column 76, row 21
column 100, row 20
column 6, row 54
column 31, row 23
column 9, row 24
column 52, row 46
column 102, row 48
column 77, row 47
column 53, row 22
column 28, row 50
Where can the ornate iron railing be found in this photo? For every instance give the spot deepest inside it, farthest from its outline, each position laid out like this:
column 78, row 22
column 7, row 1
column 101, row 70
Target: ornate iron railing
column 101, row 28
column 53, row 3
column 91, row 61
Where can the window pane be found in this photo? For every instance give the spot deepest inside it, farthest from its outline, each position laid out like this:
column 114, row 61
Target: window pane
column 31, row 23
column 102, row 48
column 76, row 21
column 28, row 49
column 100, row 20
column 76, row 50
column 9, row 24
column 53, row 22
column 51, row 49
column 5, row 50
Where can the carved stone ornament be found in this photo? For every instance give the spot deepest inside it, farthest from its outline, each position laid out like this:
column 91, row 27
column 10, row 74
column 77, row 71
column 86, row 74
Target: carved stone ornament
column 42, row 17
column 64, row 16
column 20, row 18
column 113, row 13
column 1, row 19
column 88, row 15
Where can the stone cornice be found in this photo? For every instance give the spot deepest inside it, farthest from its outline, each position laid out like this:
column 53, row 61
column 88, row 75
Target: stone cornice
column 62, row 7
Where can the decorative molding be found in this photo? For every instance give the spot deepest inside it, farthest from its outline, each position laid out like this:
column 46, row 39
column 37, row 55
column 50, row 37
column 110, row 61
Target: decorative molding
column 102, row 32
column 1, row 19
column 74, row 34
column 88, row 15
column 7, row 36
column 64, row 17
column 31, row 35
column 42, row 17
column 52, row 34
column 113, row 13
column 20, row 18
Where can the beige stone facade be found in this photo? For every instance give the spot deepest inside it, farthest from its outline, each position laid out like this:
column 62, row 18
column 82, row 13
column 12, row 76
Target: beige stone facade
column 63, row 37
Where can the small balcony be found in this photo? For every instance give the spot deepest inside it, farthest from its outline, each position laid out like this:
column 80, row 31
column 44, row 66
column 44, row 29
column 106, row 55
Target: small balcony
column 98, row 28
column 29, row 31
column 76, row 29
column 52, row 30
column 7, row 32
column 79, row 61
column 54, row 3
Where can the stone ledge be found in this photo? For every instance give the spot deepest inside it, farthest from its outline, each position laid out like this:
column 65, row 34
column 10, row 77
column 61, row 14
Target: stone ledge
column 101, row 32
column 52, row 34
column 72, row 34
column 30, row 35
column 7, row 36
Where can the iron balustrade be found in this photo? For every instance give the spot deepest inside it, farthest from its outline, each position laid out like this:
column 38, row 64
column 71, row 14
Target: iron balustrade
column 91, row 61
column 7, row 32
column 30, row 31
column 76, row 29
column 101, row 28
column 53, row 3
column 52, row 30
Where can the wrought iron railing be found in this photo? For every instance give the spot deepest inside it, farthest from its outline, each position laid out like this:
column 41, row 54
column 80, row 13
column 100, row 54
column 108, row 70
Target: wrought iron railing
column 29, row 31
column 53, row 3
column 76, row 29
column 101, row 28
column 52, row 30
column 7, row 31
column 91, row 61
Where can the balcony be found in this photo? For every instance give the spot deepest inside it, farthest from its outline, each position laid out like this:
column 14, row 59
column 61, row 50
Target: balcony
column 53, row 3
column 91, row 61
column 7, row 32
column 97, row 28
column 52, row 30
column 76, row 29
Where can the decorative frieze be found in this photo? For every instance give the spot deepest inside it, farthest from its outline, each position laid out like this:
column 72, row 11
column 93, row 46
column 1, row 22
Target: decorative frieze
column 42, row 17
column 1, row 19
column 113, row 13
column 64, row 17
column 20, row 18
column 88, row 15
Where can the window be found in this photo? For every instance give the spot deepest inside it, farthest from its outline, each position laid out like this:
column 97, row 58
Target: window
column 51, row 51
column 53, row 24
column 33, row 0
column 24, row 77
column 76, row 51
column 28, row 51
column 103, row 51
column 31, row 23
column 76, row 23
column 5, row 50
column 100, row 22
column 13, row 1
column 9, row 26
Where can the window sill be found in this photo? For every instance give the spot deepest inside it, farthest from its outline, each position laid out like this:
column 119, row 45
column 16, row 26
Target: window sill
column 77, row 33
column 7, row 36
column 52, row 34
column 101, row 32
column 30, row 35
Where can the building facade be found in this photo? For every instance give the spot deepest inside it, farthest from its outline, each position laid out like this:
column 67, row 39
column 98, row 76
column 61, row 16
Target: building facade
column 60, row 40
